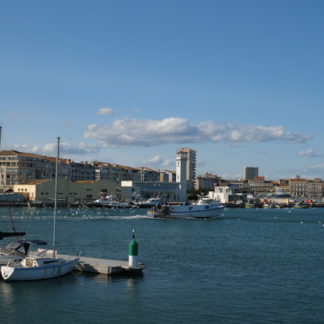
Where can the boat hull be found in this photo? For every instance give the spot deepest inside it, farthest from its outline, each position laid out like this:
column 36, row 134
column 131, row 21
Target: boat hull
column 190, row 210
column 61, row 268
column 197, row 213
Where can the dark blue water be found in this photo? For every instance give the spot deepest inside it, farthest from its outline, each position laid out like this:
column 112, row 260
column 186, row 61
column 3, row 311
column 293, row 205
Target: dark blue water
column 252, row 266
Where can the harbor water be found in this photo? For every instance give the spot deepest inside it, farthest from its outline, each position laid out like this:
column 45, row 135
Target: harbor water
column 250, row 266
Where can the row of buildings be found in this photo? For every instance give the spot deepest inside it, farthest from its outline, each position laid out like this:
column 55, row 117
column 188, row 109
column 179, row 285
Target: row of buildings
column 32, row 175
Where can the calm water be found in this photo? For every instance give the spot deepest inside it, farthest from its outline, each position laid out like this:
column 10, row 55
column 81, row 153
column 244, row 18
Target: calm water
column 252, row 266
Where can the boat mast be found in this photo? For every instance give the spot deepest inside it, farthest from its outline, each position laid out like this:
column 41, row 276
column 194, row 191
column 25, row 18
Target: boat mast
column 55, row 193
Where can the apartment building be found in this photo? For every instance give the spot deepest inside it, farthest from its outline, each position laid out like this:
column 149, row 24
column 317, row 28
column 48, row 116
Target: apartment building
column 315, row 189
column 115, row 172
column 207, row 181
column 298, row 187
column 259, row 186
column 18, row 167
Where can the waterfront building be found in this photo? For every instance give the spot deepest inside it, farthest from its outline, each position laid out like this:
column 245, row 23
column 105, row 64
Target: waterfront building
column 170, row 191
column 18, row 167
column 314, row 189
column 207, row 181
column 115, row 172
column 298, row 187
column 79, row 171
column 68, row 191
column 167, row 176
column 149, row 175
column 190, row 165
column 258, row 186
column 250, row 172
column 182, row 173
column 222, row 193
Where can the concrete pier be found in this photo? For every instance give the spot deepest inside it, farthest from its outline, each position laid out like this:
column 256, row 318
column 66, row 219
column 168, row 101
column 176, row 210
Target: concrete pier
column 104, row 266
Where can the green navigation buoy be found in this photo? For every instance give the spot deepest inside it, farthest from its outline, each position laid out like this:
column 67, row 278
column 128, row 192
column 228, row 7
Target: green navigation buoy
column 132, row 252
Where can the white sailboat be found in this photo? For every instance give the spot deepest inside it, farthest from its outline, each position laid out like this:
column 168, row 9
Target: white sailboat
column 41, row 267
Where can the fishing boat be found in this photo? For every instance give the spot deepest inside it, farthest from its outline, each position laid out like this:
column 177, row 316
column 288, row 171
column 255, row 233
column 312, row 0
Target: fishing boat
column 42, row 265
column 203, row 208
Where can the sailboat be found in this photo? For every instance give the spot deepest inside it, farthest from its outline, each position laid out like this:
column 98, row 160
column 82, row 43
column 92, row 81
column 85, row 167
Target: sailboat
column 41, row 266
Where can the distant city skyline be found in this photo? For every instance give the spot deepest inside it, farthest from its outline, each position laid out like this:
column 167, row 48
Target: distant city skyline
column 241, row 83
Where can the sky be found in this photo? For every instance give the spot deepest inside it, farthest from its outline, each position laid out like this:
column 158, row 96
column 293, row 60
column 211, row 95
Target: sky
column 129, row 82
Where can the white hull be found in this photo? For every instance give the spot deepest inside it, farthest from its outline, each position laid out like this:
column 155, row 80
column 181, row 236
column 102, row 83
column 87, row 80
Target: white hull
column 111, row 204
column 202, row 209
column 57, row 268
column 152, row 202
column 196, row 212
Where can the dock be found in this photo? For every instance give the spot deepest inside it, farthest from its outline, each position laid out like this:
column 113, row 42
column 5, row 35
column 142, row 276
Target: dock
column 104, row 266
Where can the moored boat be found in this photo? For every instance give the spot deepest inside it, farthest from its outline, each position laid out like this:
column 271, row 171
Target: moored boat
column 40, row 267
column 18, row 250
column 36, row 268
column 151, row 202
column 111, row 201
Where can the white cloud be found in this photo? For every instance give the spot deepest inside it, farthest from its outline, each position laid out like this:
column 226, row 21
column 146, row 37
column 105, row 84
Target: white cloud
column 105, row 111
column 309, row 153
column 50, row 149
column 168, row 163
column 158, row 162
column 19, row 147
column 316, row 167
column 15, row 114
column 139, row 132
column 155, row 160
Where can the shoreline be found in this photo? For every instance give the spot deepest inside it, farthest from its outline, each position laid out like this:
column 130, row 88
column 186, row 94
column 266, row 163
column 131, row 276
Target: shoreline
column 93, row 205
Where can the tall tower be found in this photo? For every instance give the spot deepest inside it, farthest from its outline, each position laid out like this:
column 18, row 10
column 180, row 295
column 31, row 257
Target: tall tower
column 190, row 165
column 250, row 173
column 181, row 175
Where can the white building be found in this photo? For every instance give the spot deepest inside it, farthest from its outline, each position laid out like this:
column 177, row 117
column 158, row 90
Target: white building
column 171, row 191
column 221, row 193
column 190, row 165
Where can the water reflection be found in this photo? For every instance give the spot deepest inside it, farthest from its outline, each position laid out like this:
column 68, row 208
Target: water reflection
column 6, row 293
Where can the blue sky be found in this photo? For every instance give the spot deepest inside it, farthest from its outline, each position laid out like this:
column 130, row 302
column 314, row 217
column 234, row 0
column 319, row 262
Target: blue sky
column 129, row 82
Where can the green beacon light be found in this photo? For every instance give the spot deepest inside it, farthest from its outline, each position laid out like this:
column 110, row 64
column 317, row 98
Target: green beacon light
column 132, row 252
